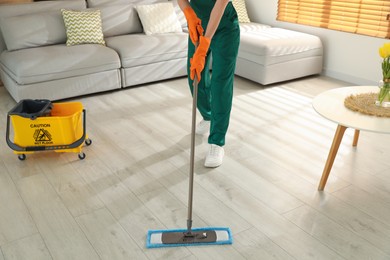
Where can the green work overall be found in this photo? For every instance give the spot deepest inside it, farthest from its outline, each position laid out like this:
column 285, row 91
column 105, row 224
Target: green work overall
column 215, row 92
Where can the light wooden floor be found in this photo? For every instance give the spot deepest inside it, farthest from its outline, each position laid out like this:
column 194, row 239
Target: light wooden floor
column 135, row 178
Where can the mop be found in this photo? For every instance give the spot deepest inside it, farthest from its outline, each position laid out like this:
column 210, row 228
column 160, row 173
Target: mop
column 190, row 236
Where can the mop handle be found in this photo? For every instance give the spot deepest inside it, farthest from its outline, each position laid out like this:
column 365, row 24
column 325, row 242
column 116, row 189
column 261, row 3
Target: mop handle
column 192, row 154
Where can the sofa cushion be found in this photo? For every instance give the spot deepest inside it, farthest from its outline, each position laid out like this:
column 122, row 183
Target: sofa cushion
column 33, row 65
column 26, row 31
column 37, row 7
column 95, row 3
column 141, row 49
column 275, row 45
column 119, row 20
column 242, row 14
column 83, row 27
column 252, row 27
column 158, row 18
column 180, row 14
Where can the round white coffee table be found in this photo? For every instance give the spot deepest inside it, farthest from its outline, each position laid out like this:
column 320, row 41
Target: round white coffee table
column 330, row 104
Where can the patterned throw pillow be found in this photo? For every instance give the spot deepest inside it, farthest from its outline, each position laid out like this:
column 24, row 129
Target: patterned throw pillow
column 83, row 27
column 158, row 18
column 240, row 7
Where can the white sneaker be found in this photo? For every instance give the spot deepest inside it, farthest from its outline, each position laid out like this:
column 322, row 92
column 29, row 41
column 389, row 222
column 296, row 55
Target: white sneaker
column 214, row 157
column 203, row 127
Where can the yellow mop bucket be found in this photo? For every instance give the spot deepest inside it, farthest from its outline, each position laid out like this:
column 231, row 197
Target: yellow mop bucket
column 40, row 125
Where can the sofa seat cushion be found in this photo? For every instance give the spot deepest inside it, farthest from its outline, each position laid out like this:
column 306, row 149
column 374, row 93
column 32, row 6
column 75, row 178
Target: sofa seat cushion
column 252, row 27
column 276, row 45
column 140, row 49
column 47, row 63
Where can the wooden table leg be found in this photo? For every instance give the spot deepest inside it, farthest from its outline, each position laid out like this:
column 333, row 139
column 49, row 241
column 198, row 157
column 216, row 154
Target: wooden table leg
column 338, row 136
column 355, row 138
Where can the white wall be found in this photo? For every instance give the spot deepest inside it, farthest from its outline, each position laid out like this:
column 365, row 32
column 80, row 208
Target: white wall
column 348, row 57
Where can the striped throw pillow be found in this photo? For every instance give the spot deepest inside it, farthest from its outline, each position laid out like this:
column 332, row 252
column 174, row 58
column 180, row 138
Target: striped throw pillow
column 83, row 27
column 240, row 7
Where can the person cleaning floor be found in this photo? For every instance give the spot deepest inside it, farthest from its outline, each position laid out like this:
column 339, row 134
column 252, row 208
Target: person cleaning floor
column 220, row 40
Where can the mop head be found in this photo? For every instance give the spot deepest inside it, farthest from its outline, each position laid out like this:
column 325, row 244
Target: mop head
column 197, row 237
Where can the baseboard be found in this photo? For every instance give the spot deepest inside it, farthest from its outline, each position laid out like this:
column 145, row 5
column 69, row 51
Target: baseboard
column 349, row 78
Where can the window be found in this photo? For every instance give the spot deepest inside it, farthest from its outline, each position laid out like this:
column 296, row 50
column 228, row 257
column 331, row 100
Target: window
column 368, row 17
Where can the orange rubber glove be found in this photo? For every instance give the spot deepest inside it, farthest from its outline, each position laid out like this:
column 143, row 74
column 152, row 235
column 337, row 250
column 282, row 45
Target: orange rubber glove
column 194, row 24
column 199, row 58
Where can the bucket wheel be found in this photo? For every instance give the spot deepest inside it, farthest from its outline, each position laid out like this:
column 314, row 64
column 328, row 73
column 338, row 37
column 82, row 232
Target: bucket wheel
column 88, row 141
column 82, row 156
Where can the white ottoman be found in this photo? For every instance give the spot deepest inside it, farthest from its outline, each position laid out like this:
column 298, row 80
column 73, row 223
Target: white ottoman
column 269, row 55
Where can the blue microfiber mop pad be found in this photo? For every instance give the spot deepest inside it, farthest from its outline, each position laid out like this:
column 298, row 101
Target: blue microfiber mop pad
column 224, row 237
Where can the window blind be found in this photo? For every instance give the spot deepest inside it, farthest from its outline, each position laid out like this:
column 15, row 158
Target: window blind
column 368, row 17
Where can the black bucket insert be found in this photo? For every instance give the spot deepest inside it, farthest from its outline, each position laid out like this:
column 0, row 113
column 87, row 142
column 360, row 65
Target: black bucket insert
column 32, row 108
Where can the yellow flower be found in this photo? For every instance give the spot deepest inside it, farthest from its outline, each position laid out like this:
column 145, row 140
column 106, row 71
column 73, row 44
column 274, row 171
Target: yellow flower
column 384, row 51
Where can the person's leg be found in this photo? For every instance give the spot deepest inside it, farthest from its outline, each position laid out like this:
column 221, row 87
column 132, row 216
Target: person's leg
column 224, row 49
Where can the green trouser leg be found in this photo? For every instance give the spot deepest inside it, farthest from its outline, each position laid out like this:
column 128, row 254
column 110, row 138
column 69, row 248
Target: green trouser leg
column 215, row 93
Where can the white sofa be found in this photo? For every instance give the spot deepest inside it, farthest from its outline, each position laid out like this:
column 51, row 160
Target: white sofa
column 36, row 63
column 268, row 55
